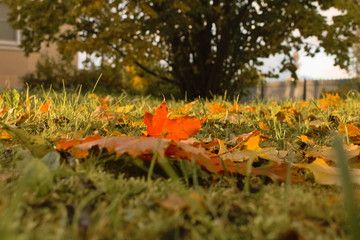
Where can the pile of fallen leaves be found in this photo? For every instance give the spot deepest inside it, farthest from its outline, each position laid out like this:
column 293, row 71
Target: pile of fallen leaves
column 171, row 137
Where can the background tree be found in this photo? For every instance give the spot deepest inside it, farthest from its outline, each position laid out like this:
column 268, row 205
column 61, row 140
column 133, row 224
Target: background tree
column 202, row 46
column 356, row 56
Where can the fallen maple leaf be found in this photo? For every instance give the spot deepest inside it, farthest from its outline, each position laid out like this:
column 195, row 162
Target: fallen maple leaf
column 159, row 125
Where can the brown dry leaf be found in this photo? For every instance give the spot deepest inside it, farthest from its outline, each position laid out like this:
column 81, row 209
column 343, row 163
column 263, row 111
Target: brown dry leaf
column 270, row 153
column 244, row 136
column 143, row 147
column 239, row 155
column 146, row 147
column 327, row 175
column 104, row 114
column 174, row 202
column 230, row 118
column 274, row 170
column 288, row 114
column 352, row 152
column 317, row 125
column 273, row 154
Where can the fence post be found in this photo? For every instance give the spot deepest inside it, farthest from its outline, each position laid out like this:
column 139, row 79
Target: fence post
column 262, row 90
column 304, row 89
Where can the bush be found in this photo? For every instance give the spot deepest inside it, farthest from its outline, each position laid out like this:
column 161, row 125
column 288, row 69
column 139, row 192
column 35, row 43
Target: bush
column 56, row 73
column 345, row 89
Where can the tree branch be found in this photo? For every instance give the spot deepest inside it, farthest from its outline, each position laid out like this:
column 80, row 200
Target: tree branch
column 144, row 68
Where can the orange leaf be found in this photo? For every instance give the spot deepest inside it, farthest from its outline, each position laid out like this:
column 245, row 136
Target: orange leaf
column 216, row 108
column 350, row 129
column 65, row 144
column 3, row 111
column 159, row 125
column 45, row 107
column 263, row 126
column 4, row 134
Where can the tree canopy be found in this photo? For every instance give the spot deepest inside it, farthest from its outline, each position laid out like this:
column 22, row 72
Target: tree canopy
column 203, row 47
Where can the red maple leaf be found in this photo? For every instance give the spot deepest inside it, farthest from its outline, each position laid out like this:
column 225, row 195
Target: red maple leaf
column 159, row 125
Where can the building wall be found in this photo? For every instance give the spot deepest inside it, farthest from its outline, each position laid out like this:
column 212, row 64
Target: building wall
column 13, row 62
column 14, row 65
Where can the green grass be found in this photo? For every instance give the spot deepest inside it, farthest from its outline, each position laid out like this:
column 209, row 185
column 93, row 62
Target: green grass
column 104, row 197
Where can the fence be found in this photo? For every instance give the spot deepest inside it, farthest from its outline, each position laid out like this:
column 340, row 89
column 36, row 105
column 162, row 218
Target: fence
column 302, row 90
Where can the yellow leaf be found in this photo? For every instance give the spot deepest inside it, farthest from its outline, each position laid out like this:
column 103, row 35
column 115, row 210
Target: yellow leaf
column 222, row 146
column 327, row 175
column 263, row 126
column 92, row 95
column 305, row 138
column 216, row 108
column 4, row 134
column 253, row 143
column 125, row 109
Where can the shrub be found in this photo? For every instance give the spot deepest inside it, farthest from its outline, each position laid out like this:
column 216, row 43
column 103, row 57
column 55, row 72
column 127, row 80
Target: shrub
column 58, row 72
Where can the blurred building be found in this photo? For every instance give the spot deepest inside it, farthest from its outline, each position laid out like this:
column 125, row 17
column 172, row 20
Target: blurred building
column 13, row 62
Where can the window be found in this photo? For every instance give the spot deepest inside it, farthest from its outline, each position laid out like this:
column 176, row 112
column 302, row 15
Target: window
column 8, row 36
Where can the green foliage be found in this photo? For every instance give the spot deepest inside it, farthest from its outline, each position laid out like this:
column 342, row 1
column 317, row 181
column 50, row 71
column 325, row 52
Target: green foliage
column 58, row 73
column 350, row 88
column 51, row 72
column 356, row 53
column 202, row 47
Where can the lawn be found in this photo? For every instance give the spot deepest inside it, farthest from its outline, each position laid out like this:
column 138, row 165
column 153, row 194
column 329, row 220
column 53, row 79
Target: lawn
column 83, row 166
